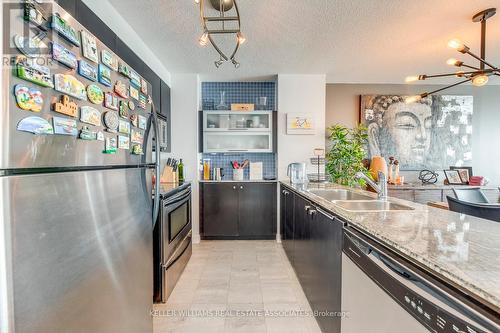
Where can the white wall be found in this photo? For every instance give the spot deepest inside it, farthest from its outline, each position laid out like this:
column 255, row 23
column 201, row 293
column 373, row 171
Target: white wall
column 108, row 14
column 185, row 135
column 300, row 94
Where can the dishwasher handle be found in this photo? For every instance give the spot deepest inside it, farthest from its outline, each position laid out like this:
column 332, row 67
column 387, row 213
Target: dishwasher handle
column 364, row 253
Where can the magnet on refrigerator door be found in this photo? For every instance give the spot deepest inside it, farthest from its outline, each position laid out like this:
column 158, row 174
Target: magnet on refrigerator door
column 66, row 106
column 89, row 46
column 28, row 99
column 104, row 75
column 64, row 126
column 35, row 125
column 87, row 70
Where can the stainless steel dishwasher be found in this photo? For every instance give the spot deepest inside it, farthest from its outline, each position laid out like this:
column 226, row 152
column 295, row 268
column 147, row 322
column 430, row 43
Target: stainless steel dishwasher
column 382, row 294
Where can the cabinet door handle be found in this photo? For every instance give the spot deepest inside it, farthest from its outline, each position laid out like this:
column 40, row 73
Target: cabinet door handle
column 234, row 187
column 312, row 212
column 306, row 208
column 241, row 187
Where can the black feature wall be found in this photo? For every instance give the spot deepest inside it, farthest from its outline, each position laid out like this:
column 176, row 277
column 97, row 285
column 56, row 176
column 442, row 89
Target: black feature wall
column 160, row 91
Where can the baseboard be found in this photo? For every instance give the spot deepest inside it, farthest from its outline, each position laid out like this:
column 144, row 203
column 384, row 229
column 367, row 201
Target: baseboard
column 266, row 237
column 196, row 239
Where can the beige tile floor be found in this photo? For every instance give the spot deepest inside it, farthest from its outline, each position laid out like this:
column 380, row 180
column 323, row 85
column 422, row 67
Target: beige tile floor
column 236, row 286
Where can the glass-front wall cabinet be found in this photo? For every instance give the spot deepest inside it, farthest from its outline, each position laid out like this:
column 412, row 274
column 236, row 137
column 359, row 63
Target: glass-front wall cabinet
column 233, row 131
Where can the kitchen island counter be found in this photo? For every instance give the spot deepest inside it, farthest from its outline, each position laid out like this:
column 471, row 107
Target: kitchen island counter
column 461, row 250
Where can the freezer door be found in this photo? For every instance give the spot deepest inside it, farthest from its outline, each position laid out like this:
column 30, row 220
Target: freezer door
column 80, row 251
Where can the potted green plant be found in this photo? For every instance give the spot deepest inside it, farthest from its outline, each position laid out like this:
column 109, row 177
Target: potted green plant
column 346, row 153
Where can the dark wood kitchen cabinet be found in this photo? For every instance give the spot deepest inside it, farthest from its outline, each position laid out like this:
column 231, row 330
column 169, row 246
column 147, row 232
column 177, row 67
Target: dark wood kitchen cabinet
column 287, row 221
column 312, row 240
column 238, row 210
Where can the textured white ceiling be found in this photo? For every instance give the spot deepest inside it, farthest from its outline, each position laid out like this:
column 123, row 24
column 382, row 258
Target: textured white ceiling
column 352, row 41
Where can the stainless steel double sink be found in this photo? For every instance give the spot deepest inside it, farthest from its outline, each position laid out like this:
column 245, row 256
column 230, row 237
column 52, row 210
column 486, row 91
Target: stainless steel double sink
column 353, row 201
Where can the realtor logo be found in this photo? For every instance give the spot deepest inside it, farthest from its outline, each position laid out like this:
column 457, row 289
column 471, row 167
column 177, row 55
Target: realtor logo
column 26, row 31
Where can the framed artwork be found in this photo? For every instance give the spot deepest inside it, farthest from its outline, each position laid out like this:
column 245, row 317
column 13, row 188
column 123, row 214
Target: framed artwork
column 453, row 177
column 432, row 133
column 297, row 123
column 465, row 173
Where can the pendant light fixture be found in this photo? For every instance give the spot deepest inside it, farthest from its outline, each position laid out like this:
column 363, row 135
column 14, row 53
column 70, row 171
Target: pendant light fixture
column 477, row 75
column 227, row 22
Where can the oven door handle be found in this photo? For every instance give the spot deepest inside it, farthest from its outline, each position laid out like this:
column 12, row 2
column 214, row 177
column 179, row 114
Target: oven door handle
column 178, row 197
column 176, row 256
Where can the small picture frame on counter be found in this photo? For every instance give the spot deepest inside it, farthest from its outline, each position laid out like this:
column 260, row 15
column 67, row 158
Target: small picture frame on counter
column 465, row 173
column 453, row 177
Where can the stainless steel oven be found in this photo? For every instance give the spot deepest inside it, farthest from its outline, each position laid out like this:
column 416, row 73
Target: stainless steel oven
column 173, row 242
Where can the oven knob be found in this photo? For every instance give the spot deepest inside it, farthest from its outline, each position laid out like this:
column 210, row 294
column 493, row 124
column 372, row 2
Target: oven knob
column 420, row 310
column 413, row 304
column 407, row 299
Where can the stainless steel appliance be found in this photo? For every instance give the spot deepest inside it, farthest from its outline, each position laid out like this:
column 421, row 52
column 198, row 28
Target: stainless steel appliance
column 172, row 239
column 385, row 294
column 162, row 133
column 76, row 225
column 297, row 173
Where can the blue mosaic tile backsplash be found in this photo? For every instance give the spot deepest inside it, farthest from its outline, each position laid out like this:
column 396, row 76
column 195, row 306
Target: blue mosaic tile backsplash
column 237, row 92
column 222, row 160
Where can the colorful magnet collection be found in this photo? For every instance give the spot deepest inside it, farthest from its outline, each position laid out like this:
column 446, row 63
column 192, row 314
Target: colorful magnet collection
column 87, row 70
column 35, row 125
column 89, row 46
column 34, row 13
column 31, row 99
column 64, row 126
column 68, row 84
column 104, row 75
column 142, row 101
column 90, row 115
column 95, row 94
column 28, row 70
column 109, row 60
column 123, row 142
column 64, row 29
column 66, row 106
column 121, row 89
column 123, row 109
column 123, row 127
column 63, row 55
column 30, row 47
column 134, row 92
column 111, row 121
column 142, row 122
column 110, row 101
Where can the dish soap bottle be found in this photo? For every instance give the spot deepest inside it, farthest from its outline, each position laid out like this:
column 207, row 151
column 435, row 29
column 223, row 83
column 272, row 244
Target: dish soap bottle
column 180, row 171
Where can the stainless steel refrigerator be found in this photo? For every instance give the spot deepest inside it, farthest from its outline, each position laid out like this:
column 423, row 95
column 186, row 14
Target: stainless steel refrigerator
column 76, row 223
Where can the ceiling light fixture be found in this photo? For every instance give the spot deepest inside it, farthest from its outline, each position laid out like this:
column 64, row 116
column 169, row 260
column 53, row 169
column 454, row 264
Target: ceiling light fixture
column 479, row 76
column 226, row 22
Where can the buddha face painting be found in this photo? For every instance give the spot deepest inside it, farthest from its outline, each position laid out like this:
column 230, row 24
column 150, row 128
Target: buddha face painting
column 412, row 132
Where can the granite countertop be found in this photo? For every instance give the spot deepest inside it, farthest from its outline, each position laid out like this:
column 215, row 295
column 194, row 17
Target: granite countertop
column 420, row 186
column 461, row 249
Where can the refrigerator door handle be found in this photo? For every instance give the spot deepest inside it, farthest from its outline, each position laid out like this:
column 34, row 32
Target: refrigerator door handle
column 156, row 200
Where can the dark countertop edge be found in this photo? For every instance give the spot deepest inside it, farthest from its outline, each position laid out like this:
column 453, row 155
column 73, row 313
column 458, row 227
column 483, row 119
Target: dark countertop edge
column 476, row 299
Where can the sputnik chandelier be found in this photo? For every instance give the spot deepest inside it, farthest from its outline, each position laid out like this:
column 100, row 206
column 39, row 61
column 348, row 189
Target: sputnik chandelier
column 477, row 75
column 227, row 22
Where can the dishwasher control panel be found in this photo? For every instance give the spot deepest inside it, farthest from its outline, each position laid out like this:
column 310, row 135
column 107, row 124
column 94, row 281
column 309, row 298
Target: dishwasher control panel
column 432, row 316
column 395, row 280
